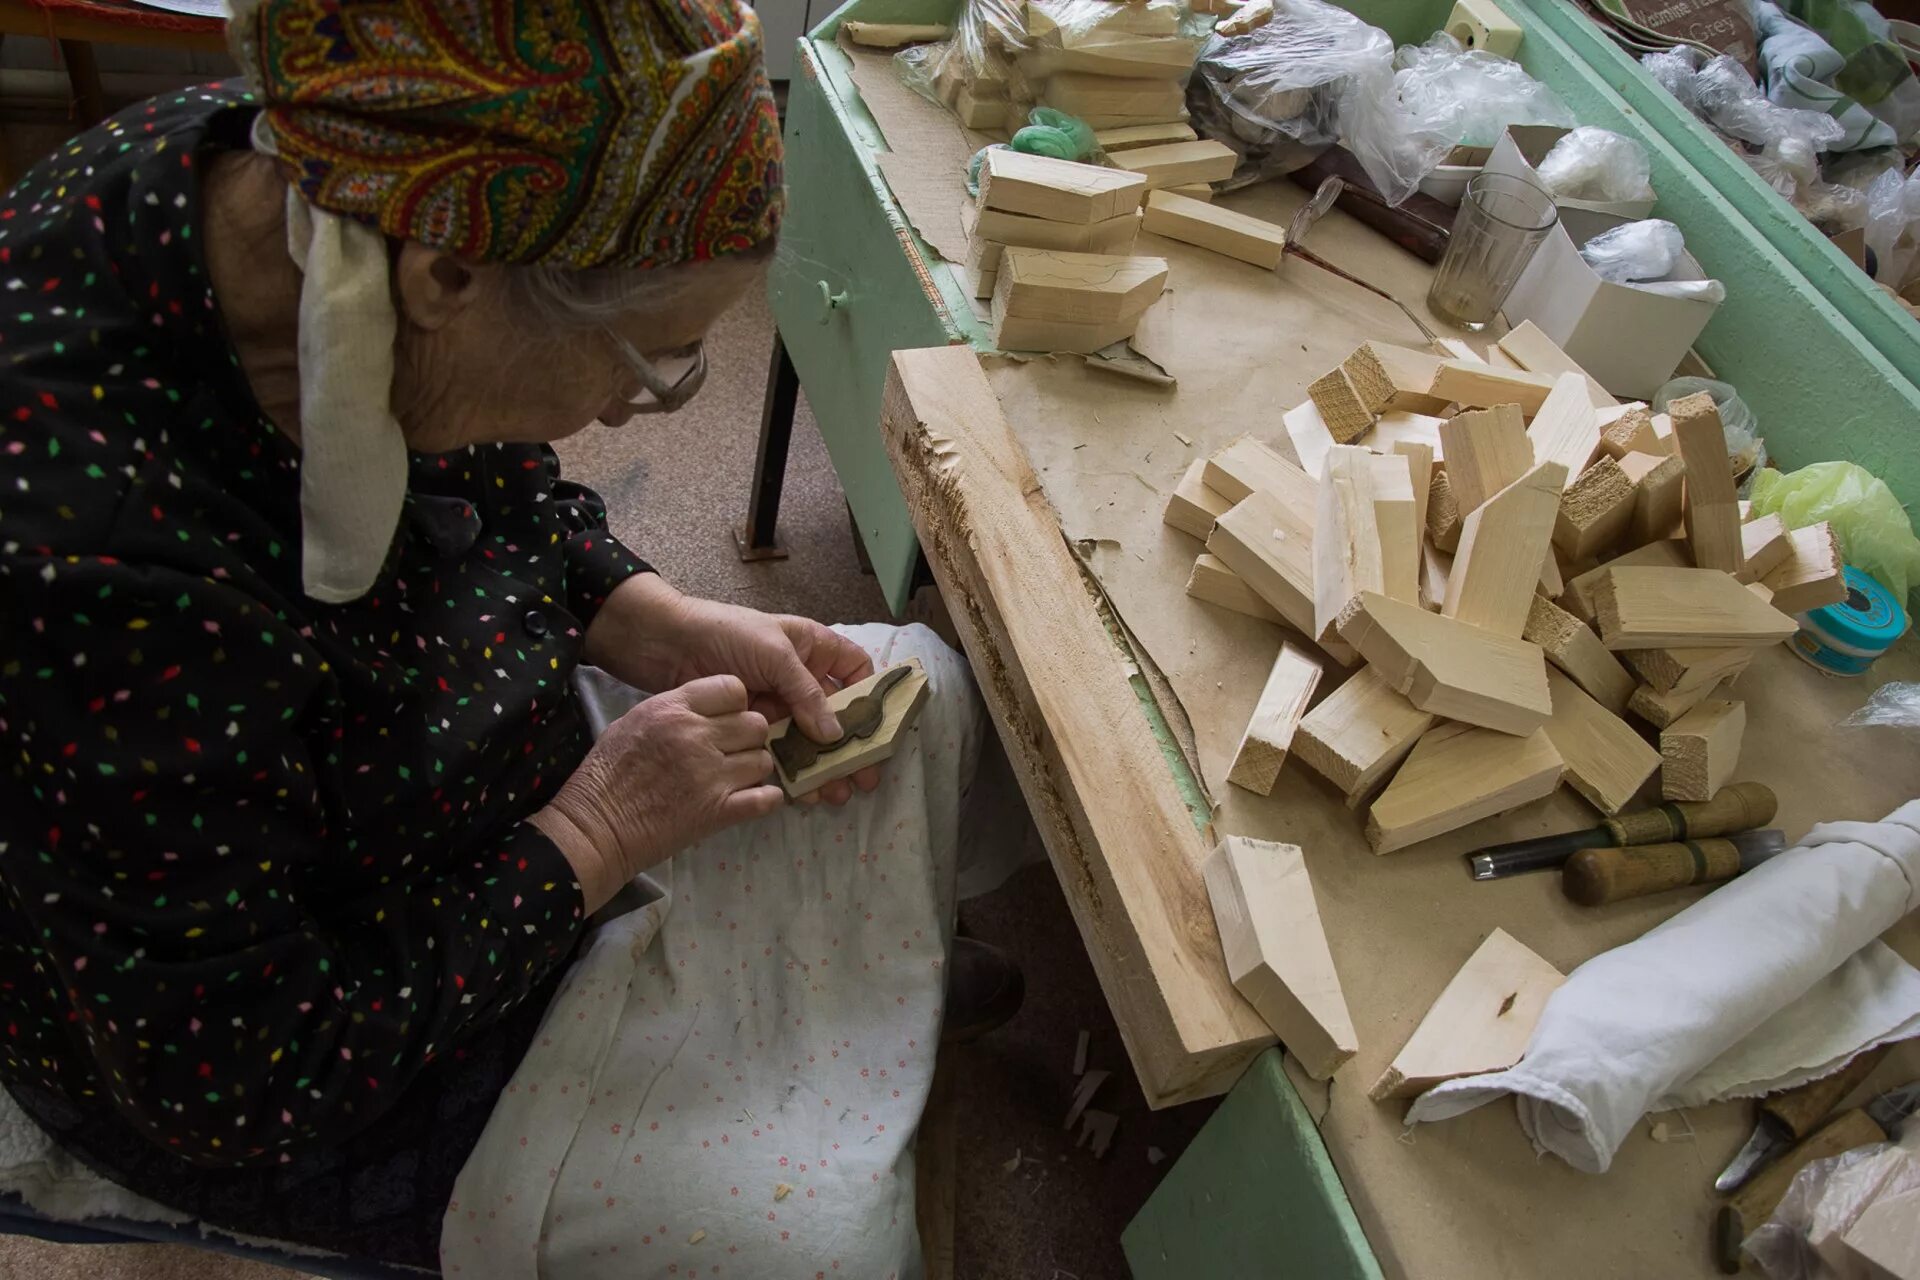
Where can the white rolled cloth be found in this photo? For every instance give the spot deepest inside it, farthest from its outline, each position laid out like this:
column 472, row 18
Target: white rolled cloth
column 1774, row 979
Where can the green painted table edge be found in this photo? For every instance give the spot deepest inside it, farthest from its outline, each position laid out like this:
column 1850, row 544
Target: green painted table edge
column 1255, row 1194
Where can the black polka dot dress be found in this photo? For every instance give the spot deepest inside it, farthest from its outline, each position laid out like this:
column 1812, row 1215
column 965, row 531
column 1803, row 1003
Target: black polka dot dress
column 261, row 859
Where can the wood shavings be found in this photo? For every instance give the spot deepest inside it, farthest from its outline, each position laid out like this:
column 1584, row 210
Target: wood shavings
column 1013, row 1165
column 1080, row 1053
column 1089, row 1085
column 1155, row 1155
column 697, row 1237
column 1183, row 440
column 1098, row 1126
column 782, row 1191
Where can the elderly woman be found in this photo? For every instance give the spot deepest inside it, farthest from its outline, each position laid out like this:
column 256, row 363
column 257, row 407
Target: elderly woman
column 300, row 821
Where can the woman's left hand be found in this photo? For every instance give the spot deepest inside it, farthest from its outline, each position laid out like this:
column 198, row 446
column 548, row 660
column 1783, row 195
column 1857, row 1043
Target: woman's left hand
column 657, row 638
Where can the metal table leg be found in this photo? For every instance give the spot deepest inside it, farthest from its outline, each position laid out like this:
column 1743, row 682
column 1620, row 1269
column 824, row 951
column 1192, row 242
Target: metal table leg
column 754, row 539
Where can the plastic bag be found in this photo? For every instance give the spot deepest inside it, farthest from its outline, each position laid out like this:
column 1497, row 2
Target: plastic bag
column 1802, row 1240
column 1869, row 521
column 1673, row 69
column 1645, row 250
column 1893, row 206
column 1895, row 705
column 1597, row 164
column 1727, row 96
column 1471, row 95
column 1790, row 167
column 1737, row 423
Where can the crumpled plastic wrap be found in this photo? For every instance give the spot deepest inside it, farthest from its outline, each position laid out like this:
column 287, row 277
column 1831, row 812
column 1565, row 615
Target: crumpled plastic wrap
column 1790, row 166
column 1893, row 206
column 1894, row 705
column 1470, row 94
column 1802, row 1239
column 1725, row 96
column 1874, row 532
column 1643, row 250
column 1597, row 164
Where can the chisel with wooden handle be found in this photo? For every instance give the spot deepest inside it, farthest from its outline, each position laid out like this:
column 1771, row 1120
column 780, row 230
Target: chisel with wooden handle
column 1740, row 807
column 1782, row 1119
column 1595, row 877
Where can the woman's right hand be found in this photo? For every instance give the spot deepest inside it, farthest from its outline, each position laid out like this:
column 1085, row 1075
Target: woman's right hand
column 675, row 769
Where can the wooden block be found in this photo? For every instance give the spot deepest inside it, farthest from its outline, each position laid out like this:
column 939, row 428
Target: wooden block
column 1595, row 511
column 1662, row 709
column 1057, row 190
column 1666, row 553
column 1443, row 513
column 1550, row 583
column 1457, row 349
column 1129, row 857
column 1176, row 163
column 1482, row 1021
column 1194, row 507
column 1024, row 333
column 1498, row 359
column 1248, row 16
column 1396, row 520
column 1419, row 458
column 1310, row 437
column 1572, row 646
column 1684, row 671
column 1436, row 566
column 892, row 35
column 1144, row 135
column 1247, row 464
column 1503, row 543
column 1341, row 406
column 1214, row 583
column 980, row 283
column 1156, row 57
column 1535, row 352
column 980, row 112
column 1044, row 19
column 1110, row 235
column 1082, row 94
column 1566, row 430
column 1811, row 575
column 1269, row 735
column 1457, row 774
column 1448, row 667
column 1358, row 733
column 1712, row 506
column 1766, row 545
column 1606, row 758
column 1393, row 426
column 1631, row 432
column 1083, row 288
column 1700, row 750
column 1659, row 481
column 1391, row 377
column 1222, row 230
column 1643, row 608
column 899, row 709
column 1269, row 544
column 1200, row 191
column 1276, row 949
column 1346, row 537
column 1124, row 119
column 1485, row 452
column 1480, row 386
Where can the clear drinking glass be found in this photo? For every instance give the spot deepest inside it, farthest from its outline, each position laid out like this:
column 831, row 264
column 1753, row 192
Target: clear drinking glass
column 1502, row 220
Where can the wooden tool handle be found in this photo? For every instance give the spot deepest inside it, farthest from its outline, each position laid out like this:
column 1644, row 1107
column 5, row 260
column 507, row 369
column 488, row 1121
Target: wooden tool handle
column 1754, row 1203
column 1595, row 877
column 1801, row 1110
column 1740, row 807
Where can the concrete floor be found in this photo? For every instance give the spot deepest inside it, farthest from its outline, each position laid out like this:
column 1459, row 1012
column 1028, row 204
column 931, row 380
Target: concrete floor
column 674, row 487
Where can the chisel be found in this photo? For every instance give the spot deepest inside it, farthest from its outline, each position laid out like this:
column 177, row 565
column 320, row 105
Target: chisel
column 1595, row 877
column 1739, row 807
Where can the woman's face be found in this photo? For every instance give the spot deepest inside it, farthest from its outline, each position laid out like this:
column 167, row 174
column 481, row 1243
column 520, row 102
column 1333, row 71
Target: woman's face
column 468, row 371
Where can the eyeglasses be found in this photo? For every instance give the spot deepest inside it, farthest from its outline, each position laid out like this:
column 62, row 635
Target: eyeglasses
column 667, row 381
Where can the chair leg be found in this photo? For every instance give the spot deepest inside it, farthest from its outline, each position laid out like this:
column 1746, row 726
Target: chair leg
column 754, row 540
column 83, row 73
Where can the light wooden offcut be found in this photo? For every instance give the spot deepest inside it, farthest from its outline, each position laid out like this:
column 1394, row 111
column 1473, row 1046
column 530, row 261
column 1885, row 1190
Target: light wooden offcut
column 1481, row 1022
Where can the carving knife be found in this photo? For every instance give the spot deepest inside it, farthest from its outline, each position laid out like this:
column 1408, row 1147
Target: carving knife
column 795, row 751
column 1785, row 1118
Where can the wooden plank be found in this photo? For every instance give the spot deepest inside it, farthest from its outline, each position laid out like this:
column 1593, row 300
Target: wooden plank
column 1194, row 507
column 1535, row 352
column 1058, row 190
column 1443, row 513
column 1458, row 774
column 1223, row 231
column 1631, row 432
column 1083, row 288
column 892, row 35
column 1595, row 511
column 1276, row 949
column 1572, row 646
column 1643, row 608
column 1164, row 57
column 1659, row 484
column 1448, row 667
column 1216, row 584
column 1481, row 386
column 1268, row 543
column 1358, row 733
column 1700, row 751
column 1482, row 1021
column 1346, row 537
column 1664, row 553
column 1269, row 734
column 1683, row 671
column 1173, row 164
column 1058, row 686
column 1097, row 97
column 1485, row 451
column 1566, row 430
column 899, row 710
column 1248, row 464
column 1503, row 544
column 1436, row 566
column 1144, row 135
column 1712, row 506
column 1662, row 709
column 1109, row 235
column 1812, row 575
column 1419, row 458
column 1766, row 543
column 1607, row 760
column 1396, row 519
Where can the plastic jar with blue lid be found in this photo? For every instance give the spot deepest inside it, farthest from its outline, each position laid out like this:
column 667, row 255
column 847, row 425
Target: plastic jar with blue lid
column 1843, row 639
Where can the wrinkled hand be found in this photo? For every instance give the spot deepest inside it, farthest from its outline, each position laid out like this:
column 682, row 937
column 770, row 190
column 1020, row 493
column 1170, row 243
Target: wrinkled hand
column 674, row 770
column 788, row 664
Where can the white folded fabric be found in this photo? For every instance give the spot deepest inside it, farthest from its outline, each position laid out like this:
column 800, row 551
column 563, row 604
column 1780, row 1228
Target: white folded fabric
column 1773, row 979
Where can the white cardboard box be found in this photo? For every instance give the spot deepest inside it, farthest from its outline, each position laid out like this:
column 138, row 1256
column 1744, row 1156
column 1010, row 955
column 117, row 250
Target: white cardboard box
column 1531, row 143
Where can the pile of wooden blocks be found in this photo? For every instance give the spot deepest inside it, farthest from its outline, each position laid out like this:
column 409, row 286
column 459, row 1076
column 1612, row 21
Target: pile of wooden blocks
column 1113, row 65
column 1513, row 563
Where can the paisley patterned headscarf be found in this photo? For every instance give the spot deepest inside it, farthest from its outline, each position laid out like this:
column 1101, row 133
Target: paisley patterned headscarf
column 581, row 133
